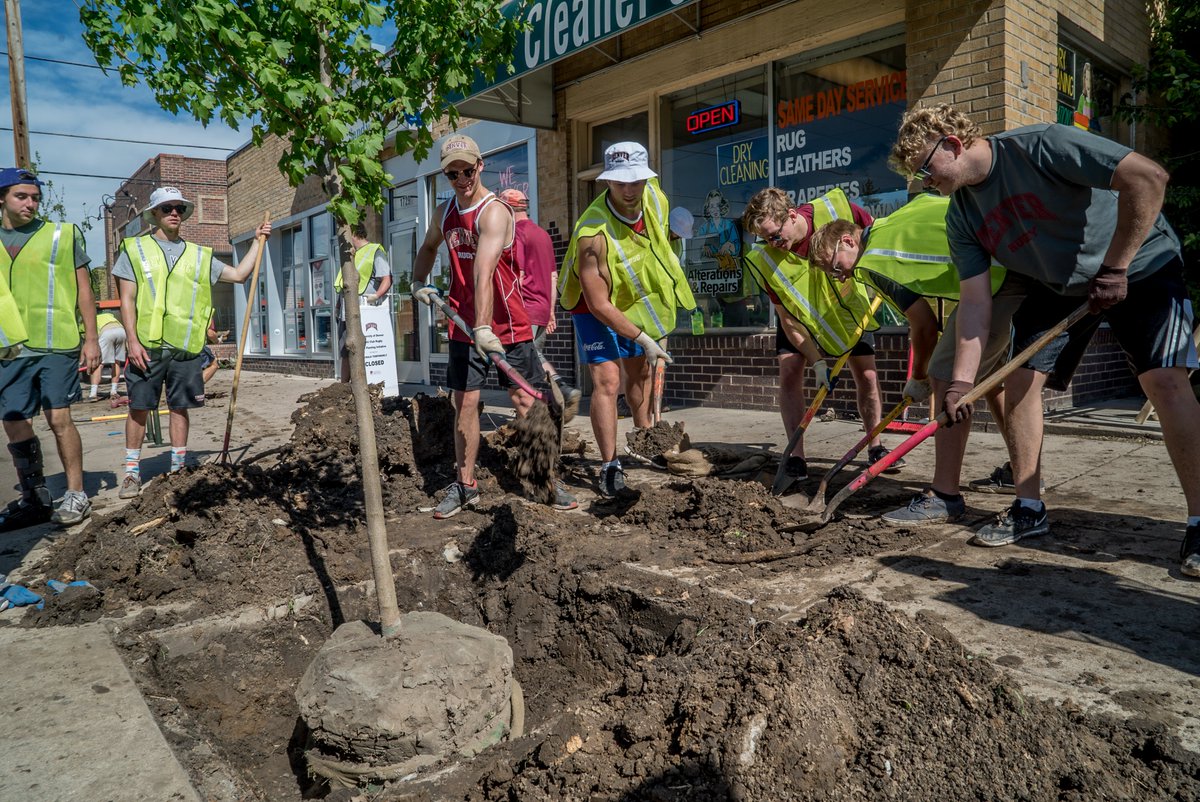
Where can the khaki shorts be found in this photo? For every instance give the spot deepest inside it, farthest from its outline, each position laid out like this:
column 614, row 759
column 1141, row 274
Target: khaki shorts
column 1005, row 303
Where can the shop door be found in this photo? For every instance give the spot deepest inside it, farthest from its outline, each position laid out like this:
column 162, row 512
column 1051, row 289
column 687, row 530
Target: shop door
column 405, row 317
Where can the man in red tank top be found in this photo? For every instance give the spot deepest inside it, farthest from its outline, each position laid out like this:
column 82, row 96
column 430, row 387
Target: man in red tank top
column 485, row 290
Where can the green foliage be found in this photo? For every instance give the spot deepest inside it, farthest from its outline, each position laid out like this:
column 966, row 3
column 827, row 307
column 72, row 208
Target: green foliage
column 312, row 72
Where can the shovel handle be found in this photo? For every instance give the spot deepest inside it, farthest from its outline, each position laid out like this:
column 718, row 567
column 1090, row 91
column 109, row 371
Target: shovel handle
column 237, row 368
column 819, row 496
column 656, row 389
column 977, row 392
column 500, row 362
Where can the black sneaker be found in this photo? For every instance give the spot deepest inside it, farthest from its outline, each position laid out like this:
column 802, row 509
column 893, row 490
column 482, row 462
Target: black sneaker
column 458, row 498
column 1001, row 481
column 1189, row 552
column 877, row 453
column 612, row 482
column 21, row 513
column 796, row 469
column 1013, row 524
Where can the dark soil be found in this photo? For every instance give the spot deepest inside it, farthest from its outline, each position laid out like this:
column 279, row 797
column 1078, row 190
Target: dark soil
column 653, row 441
column 636, row 688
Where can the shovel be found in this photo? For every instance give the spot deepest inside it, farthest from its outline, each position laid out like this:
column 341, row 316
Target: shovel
column 568, row 403
column 912, row 442
column 782, row 482
column 818, row 500
column 656, row 390
column 502, row 363
column 223, row 457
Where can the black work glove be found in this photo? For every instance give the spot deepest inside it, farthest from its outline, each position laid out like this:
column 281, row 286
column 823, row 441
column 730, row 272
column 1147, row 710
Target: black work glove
column 956, row 412
column 1107, row 288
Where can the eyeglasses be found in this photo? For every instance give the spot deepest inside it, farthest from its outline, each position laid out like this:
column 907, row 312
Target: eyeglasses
column 453, row 174
column 923, row 171
column 167, row 208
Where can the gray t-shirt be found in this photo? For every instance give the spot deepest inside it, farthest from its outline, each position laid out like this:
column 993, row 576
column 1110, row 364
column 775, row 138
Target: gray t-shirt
column 172, row 249
column 1046, row 210
column 14, row 239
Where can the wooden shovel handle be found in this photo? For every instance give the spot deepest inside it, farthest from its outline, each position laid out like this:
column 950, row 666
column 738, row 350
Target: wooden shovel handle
column 237, row 368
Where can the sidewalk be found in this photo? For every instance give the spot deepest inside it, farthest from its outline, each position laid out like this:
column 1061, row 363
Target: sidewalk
column 1097, row 612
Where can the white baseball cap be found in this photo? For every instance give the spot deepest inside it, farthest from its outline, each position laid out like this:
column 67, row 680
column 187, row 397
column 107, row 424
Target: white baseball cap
column 681, row 222
column 167, row 195
column 627, row 162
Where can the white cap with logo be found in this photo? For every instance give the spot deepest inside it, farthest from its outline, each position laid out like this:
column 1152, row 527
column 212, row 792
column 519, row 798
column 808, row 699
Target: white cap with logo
column 626, row 162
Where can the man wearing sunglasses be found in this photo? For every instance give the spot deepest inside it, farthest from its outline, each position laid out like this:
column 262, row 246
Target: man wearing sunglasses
column 1081, row 216
column 485, row 290
column 44, row 283
column 807, row 303
column 165, row 284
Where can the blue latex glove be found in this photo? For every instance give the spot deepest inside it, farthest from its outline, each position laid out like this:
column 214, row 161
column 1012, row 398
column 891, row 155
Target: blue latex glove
column 17, row 596
column 58, row 586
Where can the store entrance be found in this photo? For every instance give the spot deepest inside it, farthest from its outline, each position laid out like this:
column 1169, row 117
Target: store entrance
column 410, row 361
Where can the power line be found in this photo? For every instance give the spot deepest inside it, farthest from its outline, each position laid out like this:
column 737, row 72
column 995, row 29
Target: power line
column 129, row 141
column 57, row 61
column 126, row 180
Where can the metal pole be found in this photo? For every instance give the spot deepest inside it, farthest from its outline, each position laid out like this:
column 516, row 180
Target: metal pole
column 16, row 83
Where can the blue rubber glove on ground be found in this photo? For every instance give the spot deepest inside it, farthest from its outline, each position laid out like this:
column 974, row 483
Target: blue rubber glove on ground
column 17, row 596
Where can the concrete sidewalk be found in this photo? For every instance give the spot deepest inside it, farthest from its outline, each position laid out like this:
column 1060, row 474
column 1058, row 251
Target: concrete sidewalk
column 1102, row 617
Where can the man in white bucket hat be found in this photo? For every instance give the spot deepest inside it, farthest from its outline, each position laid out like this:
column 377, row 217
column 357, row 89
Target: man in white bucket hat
column 165, row 284
column 622, row 284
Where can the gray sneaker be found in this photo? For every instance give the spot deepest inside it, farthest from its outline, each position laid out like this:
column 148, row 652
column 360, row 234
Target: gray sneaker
column 1013, row 524
column 612, row 482
column 458, row 497
column 926, row 508
column 73, row 508
column 563, row 500
column 1189, row 552
column 131, row 486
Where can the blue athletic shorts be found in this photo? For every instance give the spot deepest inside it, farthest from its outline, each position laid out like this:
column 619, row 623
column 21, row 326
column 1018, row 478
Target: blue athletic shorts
column 30, row 384
column 598, row 343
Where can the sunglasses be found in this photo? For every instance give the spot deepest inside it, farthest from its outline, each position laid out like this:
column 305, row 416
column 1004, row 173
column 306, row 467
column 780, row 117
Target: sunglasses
column 453, row 174
column 923, row 171
column 167, row 208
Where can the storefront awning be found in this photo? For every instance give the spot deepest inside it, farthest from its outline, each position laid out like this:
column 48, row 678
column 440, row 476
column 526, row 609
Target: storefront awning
column 557, row 29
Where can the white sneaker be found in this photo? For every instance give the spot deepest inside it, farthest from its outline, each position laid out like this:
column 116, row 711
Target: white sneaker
column 73, row 508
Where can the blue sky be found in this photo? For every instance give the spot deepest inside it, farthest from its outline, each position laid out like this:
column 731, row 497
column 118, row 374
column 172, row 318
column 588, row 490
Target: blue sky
column 82, row 101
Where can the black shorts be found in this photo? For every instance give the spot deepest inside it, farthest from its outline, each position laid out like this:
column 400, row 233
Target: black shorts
column 783, row 344
column 182, row 374
column 468, row 370
column 31, row 384
column 1153, row 326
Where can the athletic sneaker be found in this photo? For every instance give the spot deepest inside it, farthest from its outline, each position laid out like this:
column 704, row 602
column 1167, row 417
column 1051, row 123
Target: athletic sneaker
column 73, row 508
column 563, row 500
column 458, row 497
column 571, row 395
column 1001, row 481
column 1011, row 525
column 1189, row 552
column 131, row 486
column 22, row 513
column 611, row 482
column 927, row 508
column 877, row 453
column 796, row 469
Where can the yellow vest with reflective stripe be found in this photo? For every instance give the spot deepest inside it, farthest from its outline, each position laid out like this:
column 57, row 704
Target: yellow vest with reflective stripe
column 12, row 327
column 44, row 288
column 364, row 263
column 647, row 282
column 173, row 303
column 831, row 311
column 909, row 247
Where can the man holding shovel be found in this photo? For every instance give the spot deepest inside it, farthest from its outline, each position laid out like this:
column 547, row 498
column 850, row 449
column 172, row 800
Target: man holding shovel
column 1080, row 216
column 165, row 284
column 485, row 292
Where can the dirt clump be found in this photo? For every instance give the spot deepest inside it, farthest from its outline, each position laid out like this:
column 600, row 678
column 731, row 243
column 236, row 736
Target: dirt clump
column 654, row 441
column 535, row 451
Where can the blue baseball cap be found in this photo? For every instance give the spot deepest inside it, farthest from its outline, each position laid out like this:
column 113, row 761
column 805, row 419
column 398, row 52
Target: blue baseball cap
column 11, row 176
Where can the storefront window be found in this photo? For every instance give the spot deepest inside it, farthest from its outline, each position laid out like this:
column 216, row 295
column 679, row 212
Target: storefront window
column 1085, row 92
column 320, row 268
column 634, row 128
column 295, row 293
column 715, row 156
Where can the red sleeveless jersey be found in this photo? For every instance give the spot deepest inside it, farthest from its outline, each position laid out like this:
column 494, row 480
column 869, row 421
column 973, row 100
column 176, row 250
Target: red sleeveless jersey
column 460, row 229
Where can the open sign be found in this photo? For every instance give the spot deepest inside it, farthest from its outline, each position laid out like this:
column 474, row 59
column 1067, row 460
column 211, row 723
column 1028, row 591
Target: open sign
column 719, row 116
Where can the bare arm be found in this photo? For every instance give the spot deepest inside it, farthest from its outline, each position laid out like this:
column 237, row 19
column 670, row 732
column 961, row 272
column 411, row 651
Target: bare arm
column 495, row 229
column 973, row 321
column 385, row 284
column 923, row 333
column 127, row 290
column 798, row 335
column 593, row 278
column 1141, row 184
column 89, row 355
column 237, row 275
column 427, row 253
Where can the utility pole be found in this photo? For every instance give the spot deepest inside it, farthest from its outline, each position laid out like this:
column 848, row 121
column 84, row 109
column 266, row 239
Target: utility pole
column 16, row 83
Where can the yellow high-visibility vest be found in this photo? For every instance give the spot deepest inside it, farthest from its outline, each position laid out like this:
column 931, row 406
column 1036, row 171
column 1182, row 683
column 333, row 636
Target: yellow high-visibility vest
column 364, row 263
column 173, row 303
column 43, row 289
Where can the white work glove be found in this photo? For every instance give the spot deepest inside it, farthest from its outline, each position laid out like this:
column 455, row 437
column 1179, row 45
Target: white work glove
column 486, row 342
column 654, row 351
column 821, row 371
column 11, row 352
column 375, row 300
column 918, row 390
column 425, row 294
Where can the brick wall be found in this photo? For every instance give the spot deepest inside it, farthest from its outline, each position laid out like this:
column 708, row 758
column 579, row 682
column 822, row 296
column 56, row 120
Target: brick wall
column 314, row 368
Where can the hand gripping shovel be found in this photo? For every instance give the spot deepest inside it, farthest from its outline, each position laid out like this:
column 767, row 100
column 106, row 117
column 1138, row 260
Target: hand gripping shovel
column 569, row 402
column 782, row 482
column 912, row 442
column 818, row 500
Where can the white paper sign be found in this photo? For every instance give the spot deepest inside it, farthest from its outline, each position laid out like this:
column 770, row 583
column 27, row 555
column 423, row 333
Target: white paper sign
column 379, row 353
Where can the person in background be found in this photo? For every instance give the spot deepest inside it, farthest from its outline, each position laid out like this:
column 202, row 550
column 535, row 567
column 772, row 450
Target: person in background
column 374, row 281
column 112, row 352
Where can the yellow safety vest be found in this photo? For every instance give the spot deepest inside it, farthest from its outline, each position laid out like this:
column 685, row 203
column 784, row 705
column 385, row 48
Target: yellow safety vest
column 831, row 311
column 44, row 288
column 646, row 279
column 173, row 303
column 104, row 319
column 364, row 263
column 12, row 327
column 909, row 247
